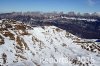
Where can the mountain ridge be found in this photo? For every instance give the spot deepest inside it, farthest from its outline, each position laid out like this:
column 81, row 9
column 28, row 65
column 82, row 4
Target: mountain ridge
column 24, row 45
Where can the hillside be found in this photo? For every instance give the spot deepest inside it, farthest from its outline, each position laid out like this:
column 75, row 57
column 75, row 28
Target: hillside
column 23, row 45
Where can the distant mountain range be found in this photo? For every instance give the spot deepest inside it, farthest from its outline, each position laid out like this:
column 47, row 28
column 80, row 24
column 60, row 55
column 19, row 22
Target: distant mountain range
column 82, row 25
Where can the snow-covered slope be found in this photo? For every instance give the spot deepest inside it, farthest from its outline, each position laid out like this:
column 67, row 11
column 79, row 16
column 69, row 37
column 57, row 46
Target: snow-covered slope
column 22, row 45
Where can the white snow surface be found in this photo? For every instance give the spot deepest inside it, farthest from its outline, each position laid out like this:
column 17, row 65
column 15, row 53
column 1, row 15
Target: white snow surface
column 0, row 21
column 73, row 18
column 47, row 46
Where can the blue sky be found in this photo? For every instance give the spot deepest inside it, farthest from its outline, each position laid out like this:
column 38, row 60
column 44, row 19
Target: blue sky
column 50, row 5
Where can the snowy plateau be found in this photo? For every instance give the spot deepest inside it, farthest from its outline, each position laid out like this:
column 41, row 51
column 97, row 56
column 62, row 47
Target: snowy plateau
column 23, row 45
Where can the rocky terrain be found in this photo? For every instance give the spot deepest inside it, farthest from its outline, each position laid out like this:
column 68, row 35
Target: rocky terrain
column 24, row 45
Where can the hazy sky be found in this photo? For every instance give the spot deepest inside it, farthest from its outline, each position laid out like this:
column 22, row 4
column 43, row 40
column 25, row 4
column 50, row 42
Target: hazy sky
column 50, row 5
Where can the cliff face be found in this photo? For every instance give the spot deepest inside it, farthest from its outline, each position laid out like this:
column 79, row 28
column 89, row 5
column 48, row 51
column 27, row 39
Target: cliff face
column 23, row 45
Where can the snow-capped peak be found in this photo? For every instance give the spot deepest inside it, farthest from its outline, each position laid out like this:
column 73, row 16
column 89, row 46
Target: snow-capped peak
column 23, row 45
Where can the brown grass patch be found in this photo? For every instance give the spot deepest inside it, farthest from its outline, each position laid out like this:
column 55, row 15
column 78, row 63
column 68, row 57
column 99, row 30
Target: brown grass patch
column 21, row 43
column 1, row 40
column 58, row 29
column 2, row 29
column 8, row 25
column 20, row 27
column 9, row 34
column 18, row 40
column 25, row 45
